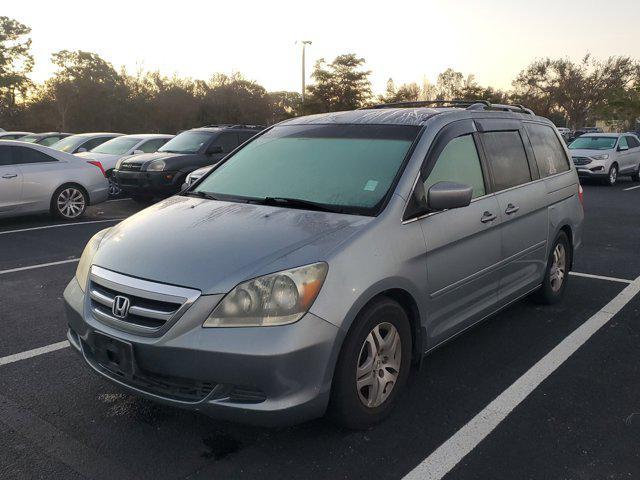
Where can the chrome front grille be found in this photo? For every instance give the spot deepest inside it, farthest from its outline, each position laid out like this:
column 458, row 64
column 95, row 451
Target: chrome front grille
column 581, row 160
column 131, row 167
column 151, row 308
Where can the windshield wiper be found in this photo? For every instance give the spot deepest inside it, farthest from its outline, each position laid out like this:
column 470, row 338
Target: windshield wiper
column 200, row 194
column 299, row 203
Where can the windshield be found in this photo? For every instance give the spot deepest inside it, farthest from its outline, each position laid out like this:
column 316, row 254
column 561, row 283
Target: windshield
column 186, row 142
column 68, row 144
column 593, row 143
column 29, row 138
column 347, row 167
column 117, row 146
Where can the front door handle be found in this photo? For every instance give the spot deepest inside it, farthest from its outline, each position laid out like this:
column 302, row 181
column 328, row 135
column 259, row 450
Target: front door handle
column 10, row 175
column 488, row 217
column 511, row 208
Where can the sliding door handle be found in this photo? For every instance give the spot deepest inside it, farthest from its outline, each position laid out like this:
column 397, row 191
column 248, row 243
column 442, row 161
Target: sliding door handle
column 10, row 175
column 488, row 217
column 511, row 208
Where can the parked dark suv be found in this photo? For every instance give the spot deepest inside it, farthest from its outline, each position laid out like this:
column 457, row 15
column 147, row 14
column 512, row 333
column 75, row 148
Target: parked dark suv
column 163, row 172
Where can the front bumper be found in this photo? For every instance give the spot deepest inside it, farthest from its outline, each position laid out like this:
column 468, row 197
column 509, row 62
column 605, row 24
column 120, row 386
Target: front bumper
column 156, row 183
column 592, row 171
column 265, row 375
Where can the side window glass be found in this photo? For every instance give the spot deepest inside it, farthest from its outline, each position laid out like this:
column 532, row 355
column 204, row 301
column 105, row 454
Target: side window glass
column 632, row 141
column 94, row 142
column 24, row 155
column 228, row 141
column 622, row 143
column 244, row 136
column 6, row 156
column 458, row 162
column 550, row 156
column 507, row 157
column 151, row 146
column 49, row 141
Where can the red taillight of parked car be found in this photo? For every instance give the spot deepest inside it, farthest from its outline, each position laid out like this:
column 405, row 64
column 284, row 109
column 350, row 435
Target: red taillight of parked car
column 97, row 164
column 581, row 194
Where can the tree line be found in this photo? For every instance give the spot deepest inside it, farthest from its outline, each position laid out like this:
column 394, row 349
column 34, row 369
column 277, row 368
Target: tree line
column 87, row 93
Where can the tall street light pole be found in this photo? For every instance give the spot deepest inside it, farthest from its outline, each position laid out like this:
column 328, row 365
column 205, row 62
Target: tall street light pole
column 304, row 45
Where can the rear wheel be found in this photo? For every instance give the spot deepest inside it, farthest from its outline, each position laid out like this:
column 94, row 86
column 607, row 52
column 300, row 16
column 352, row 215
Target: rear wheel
column 557, row 273
column 69, row 202
column 373, row 366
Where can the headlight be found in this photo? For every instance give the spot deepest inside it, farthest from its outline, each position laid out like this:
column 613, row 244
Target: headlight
column 156, row 166
column 82, row 272
column 604, row 156
column 275, row 299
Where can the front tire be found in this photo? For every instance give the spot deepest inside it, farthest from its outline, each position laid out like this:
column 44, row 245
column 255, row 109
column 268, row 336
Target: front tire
column 69, row 202
column 373, row 366
column 612, row 178
column 114, row 186
column 557, row 273
column 636, row 176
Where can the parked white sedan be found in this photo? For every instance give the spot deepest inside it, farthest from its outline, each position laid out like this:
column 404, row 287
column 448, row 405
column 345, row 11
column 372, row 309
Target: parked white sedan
column 110, row 152
column 34, row 178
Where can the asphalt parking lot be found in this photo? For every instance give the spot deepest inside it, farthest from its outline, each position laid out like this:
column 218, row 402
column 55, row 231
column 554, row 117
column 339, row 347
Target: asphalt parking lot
column 535, row 392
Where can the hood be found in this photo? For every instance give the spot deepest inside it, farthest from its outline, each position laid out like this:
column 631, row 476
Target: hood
column 214, row 245
column 142, row 158
column 580, row 152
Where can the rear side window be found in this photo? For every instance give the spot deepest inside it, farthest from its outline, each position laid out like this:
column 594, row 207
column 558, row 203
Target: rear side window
column 458, row 162
column 48, row 141
column 549, row 154
column 24, row 155
column 507, row 158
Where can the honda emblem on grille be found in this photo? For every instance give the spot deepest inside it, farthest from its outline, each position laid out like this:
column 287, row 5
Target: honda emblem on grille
column 120, row 306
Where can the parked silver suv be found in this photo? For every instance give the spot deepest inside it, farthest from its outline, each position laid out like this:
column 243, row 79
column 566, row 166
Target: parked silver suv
column 314, row 265
column 606, row 156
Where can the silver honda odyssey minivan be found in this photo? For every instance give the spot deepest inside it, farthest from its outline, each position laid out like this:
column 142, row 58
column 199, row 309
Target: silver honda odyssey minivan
column 313, row 266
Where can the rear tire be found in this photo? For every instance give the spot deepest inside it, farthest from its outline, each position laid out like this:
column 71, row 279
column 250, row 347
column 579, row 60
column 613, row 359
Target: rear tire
column 556, row 275
column 373, row 366
column 69, row 202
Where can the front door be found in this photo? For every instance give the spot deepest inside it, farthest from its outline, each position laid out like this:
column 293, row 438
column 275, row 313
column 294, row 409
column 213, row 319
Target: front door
column 463, row 244
column 10, row 180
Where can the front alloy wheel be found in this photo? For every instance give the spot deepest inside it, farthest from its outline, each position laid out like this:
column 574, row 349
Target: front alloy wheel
column 70, row 202
column 114, row 187
column 378, row 365
column 613, row 175
column 373, row 365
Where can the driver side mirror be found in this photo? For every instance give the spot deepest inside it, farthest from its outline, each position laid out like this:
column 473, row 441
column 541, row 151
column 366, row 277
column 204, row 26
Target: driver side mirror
column 137, row 152
column 81, row 149
column 448, row 195
column 213, row 149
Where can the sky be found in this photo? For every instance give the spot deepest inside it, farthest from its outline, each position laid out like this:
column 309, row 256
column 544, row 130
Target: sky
column 404, row 40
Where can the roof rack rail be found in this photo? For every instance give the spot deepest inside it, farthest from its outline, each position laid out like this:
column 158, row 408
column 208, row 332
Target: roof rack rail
column 468, row 104
column 426, row 103
column 233, row 125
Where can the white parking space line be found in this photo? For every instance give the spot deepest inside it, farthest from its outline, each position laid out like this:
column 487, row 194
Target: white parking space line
column 31, row 267
column 58, row 225
column 33, row 353
column 600, row 277
column 450, row 453
column 631, row 188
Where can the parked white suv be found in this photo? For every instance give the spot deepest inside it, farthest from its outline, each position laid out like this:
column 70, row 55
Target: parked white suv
column 606, row 156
